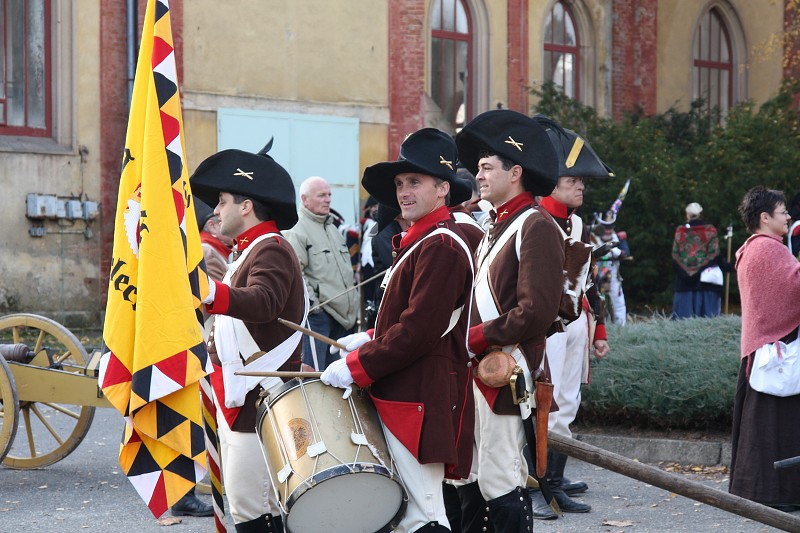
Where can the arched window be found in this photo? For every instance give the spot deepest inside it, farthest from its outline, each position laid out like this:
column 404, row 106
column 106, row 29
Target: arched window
column 25, row 102
column 712, row 73
column 451, row 60
column 562, row 50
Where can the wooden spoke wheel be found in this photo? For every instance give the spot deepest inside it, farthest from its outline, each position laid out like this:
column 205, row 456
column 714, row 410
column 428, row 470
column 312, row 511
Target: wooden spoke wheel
column 9, row 408
column 50, row 430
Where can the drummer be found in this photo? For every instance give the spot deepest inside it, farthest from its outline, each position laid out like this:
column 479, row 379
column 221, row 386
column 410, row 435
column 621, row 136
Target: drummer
column 417, row 363
column 255, row 200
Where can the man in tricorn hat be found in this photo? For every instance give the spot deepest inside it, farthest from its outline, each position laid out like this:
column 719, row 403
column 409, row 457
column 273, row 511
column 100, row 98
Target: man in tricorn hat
column 518, row 288
column 568, row 351
column 417, row 365
column 255, row 200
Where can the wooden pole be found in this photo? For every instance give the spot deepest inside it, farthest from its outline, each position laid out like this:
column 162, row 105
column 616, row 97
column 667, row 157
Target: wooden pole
column 674, row 483
column 318, row 336
column 728, row 237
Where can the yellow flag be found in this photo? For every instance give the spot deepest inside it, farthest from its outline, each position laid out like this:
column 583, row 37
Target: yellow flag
column 154, row 353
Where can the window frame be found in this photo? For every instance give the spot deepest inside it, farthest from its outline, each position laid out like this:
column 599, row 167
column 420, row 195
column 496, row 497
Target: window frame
column 553, row 47
column 29, row 131
column 699, row 64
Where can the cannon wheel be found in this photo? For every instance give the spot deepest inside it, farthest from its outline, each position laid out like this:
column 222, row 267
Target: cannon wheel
column 9, row 408
column 51, row 431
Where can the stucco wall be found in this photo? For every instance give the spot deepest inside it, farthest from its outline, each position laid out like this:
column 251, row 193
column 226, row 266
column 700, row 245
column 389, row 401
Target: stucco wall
column 759, row 68
column 57, row 274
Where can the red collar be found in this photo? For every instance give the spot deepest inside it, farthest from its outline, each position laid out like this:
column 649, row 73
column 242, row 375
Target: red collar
column 207, row 238
column 554, row 207
column 509, row 208
column 246, row 238
column 424, row 225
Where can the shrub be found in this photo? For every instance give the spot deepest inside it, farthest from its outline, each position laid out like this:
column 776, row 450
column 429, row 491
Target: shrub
column 666, row 374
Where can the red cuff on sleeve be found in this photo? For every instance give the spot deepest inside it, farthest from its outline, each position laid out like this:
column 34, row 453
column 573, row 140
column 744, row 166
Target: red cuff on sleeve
column 600, row 333
column 357, row 371
column 371, row 333
column 222, row 300
column 477, row 342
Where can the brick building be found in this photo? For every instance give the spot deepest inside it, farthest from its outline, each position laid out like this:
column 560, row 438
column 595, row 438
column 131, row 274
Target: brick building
column 337, row 83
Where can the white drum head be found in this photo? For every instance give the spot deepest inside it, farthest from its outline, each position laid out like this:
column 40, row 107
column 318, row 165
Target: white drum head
column 354, row 503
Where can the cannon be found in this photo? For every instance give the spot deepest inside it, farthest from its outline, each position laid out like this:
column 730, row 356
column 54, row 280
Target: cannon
column 48, row 391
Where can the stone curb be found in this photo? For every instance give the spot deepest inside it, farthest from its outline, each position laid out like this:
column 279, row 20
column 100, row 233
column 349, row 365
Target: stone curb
column 651, row 450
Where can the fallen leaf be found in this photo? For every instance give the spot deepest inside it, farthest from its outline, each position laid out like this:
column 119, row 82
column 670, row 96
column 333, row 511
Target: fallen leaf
column 42, row 487
column 618, row 523
column 170, row 521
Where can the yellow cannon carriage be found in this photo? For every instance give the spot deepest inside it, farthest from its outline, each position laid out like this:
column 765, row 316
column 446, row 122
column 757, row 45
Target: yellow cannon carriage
column 48, row 391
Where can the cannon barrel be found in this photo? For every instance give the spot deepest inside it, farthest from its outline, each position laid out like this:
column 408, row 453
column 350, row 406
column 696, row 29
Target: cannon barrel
column 19, row 352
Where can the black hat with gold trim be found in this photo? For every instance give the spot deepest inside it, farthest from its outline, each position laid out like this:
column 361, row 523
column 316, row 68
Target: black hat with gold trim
column 427, row 151
column 256, row 176
column 575, row 157
column 516, row 137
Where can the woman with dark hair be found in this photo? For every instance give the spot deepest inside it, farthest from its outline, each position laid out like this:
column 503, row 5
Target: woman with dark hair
column 766, row 428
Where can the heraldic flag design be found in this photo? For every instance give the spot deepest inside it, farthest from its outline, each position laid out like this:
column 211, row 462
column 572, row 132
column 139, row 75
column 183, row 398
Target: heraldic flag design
column 154, row 356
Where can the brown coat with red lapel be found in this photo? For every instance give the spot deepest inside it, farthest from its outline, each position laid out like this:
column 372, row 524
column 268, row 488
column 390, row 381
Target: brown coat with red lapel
column 268, row 285
column 527, row 292
column 421, row 383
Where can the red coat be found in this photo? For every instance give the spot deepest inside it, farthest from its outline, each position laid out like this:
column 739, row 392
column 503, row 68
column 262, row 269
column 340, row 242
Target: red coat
column 420, row 381
column 527, row 291
column 268, row 285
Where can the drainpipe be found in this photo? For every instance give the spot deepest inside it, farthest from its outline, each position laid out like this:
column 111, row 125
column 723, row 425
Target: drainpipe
column 132, row 22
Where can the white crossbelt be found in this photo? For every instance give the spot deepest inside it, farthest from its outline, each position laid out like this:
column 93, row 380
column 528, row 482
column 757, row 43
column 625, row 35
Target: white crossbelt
column 235, row 344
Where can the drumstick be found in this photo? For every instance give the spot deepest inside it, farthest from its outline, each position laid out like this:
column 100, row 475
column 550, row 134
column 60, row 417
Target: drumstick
column 280, row 374
column 318, row 336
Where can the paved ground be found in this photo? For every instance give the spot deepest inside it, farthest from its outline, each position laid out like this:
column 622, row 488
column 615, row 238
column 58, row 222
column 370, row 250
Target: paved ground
column 87, row 492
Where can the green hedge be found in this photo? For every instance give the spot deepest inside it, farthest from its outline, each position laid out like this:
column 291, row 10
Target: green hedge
column 675, row 158
column 666, row 374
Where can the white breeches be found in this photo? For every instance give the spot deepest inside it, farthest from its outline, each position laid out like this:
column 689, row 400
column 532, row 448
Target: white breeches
column 567, row 353
column 500, row 440
column 245, row 474
column 423, row 486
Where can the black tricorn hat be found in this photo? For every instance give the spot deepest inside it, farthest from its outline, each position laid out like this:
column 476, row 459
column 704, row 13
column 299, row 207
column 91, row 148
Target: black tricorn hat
column 575, row 157
column 427, row 151
column 513, row 136
column 256, row 176
column 202, row 212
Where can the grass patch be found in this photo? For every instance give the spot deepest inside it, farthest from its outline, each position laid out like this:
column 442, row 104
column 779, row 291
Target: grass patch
column 666, row 374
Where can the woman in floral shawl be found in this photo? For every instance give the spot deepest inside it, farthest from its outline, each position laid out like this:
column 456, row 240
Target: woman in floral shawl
column 695, row 248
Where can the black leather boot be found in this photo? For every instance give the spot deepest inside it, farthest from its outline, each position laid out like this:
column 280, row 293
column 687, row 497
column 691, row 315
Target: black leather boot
column 511, row 513
column 432, row 527
column 541, row 511
column 567, row 504
column 559, row 462
column 263, row 524
column 474, row 510
column 452, row 506
column 191, row 505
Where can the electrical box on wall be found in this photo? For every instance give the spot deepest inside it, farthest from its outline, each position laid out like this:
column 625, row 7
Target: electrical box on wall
column 44, row 206
column 41, row 206
column 90, row 210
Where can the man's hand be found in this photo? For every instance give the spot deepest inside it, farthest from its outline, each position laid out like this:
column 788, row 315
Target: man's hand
column 351, row 342
column 338, row 375
column 601, row 348
column 212, row 291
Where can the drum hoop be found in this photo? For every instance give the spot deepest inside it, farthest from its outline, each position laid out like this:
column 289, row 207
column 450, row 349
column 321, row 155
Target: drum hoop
column 346, row 469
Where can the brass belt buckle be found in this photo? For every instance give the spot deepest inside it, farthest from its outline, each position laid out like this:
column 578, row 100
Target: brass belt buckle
column 519, row 392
